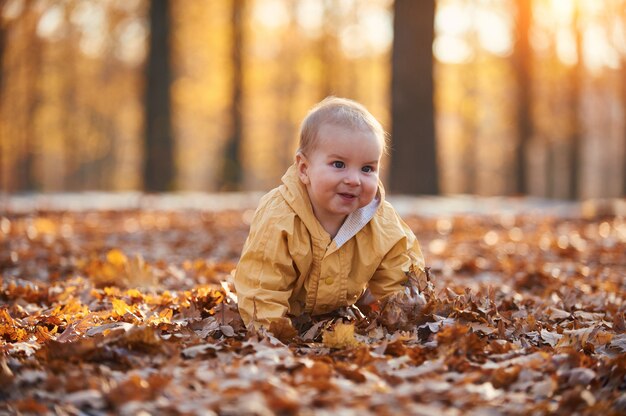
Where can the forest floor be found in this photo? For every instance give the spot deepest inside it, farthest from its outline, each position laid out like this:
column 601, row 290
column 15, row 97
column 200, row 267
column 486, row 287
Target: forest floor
column 123, row 304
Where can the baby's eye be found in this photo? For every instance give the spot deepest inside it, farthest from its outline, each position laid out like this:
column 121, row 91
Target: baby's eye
column 338, row 164
column 367, row 169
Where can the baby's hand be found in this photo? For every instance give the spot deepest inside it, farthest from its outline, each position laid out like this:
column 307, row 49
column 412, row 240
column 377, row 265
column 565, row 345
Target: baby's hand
column 403, row 310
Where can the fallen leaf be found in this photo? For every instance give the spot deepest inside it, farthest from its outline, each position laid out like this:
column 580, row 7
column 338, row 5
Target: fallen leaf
column 283, row 330
column 341, row 336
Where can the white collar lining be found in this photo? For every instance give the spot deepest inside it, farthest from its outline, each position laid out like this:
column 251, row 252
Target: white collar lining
column 356, row 221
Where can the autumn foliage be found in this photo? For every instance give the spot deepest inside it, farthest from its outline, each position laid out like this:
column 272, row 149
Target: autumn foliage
column 129, row 311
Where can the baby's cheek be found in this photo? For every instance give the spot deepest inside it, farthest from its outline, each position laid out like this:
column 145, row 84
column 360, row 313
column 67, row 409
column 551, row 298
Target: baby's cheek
column 371, row 187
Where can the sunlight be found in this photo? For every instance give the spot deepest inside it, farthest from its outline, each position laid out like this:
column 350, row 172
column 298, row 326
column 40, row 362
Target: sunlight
column 554, row 21
column 494, row 32
column 619, row 36
column 50, row 25
column 451, row 28
column 310, row 16
column 562, row 11
column 12, row 9
column 452, row 49
column 455, row 22
column 91, row 19
column 272, row 14
column 597, row 51
column 378, row 22
column 452, row 19
column 561, row 17
column 566, row 46
column 371, row 33
column 131, row 42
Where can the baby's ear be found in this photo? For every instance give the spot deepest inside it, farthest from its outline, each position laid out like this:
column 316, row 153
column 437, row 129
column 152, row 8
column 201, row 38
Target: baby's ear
column 303, row 165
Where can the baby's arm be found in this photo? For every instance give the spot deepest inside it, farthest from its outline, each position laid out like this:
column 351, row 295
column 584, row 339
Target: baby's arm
column 403, row 257
column 265, row 274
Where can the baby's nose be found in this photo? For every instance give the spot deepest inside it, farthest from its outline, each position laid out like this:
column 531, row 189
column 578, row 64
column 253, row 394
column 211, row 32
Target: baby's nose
column 352, row 178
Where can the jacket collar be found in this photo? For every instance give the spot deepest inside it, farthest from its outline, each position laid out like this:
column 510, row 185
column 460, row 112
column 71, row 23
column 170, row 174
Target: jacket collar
column 296, row 195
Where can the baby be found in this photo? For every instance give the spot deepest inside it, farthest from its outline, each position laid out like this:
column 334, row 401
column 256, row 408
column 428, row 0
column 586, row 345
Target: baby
column 324, row 236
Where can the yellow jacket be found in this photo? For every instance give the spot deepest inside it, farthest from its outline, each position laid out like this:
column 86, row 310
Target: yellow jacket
column 290, row 265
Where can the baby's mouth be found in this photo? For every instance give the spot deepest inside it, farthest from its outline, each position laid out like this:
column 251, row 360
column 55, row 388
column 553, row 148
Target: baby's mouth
column 347, row 196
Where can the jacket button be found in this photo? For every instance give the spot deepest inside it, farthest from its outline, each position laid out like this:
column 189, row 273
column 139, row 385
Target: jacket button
column 329, row 280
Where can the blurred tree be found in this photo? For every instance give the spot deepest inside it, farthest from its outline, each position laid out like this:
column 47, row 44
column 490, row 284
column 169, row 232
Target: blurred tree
column 414, row 156
column 287, row 89
column 72, row 107
column 328, row 50
column 574, row 101
column 3, row 34
column 523, row 64
column 28, row 103
column 158, row 144
column 469, row 111
column 74, row 162
column 622, row 19
column 232, row 173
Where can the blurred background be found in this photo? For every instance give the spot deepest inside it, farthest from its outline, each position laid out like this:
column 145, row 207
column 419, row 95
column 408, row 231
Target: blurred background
column 484, row 97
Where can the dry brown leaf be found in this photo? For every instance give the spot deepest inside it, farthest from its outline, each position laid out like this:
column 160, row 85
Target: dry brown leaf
column 283, row 330
column 522, row 315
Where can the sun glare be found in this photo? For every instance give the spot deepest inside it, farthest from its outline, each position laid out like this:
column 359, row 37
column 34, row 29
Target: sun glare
column 494, row 32
column 597, row 51
column 554, row 19
column 566, row 46
column 457, row 24
column 451, row 28
column 562, row 11
column 463, row 29
column 272, row 14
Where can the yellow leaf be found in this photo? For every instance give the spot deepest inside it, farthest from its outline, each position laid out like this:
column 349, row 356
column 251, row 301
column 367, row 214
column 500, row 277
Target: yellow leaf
column 116, row 258
column 341, row 336
column 138, row 273
column 134, row 293
column 164, row 317
column 9, row 328
column 111, row 291
column 45, row 226
column 166, row 313
column 120, row 307
column 110, row 273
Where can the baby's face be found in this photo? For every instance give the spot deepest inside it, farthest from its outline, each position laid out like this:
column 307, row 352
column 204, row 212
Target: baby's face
column 342, row 171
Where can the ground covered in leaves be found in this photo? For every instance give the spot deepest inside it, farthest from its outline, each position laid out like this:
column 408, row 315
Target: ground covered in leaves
column 133, row 311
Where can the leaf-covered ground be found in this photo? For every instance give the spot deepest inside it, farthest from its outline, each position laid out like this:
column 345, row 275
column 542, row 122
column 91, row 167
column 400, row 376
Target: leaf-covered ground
column 132, row 312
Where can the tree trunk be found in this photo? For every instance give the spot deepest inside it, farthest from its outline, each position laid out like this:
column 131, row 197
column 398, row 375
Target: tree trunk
column 413, row 158
column 3, row 32
column 574, row 102
column 624, row 129
column 523, row 64
column 232, row 172
column 623, row 71
column 26, row 180
column 158, row 145
column 328, row 50
column 286, row 91
column 74, row 163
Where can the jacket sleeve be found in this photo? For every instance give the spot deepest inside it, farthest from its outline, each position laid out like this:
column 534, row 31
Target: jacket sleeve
column 265, row 274
column 404, row 255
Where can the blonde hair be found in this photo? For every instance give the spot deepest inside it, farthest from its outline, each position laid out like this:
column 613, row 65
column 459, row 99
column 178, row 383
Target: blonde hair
column 341, row 112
